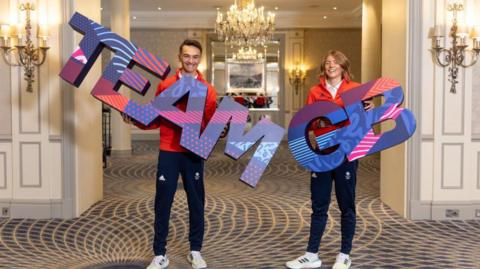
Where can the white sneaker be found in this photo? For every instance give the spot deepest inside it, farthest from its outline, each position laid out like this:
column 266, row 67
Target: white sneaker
column 196, row 259
column 159, row 262
column 304, row 261
column 343, row 261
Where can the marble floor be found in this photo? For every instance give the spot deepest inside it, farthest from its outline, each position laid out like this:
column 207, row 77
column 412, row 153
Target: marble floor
column 245, row 227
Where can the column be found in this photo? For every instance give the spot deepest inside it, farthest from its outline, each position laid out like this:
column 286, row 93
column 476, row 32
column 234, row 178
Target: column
column 121, row 132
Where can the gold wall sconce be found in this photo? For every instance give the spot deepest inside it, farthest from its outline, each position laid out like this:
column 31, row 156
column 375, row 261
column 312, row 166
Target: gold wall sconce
column 18, row 48
column 456, row 55
column 297, row 75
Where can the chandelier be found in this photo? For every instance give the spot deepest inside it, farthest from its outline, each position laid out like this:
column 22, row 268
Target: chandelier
column 245, row 25
column 247, row 54
column 17, row 52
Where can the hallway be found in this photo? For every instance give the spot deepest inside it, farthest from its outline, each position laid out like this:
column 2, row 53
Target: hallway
column 245, row 227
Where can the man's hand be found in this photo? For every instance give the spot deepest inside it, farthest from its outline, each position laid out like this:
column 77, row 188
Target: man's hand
column 127, row 119
column 368, row 104
column 225, row 131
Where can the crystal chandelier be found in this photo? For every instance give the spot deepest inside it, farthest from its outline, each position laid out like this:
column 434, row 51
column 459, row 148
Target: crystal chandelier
column 247, row 54
column 245, row 25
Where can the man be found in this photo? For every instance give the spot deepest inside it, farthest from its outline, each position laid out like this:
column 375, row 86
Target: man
column 174, row 160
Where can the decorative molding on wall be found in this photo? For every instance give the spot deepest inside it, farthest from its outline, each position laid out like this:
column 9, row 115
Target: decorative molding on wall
column 55, row 138
column 478, row 170
column 476, row 100
column 426, row 137
column 66, row 48
column 414, row 101
column 29, row 166
column 37, row 95
column 444, row 166
column 446, row 92
column 3, row 163
column 5, row 138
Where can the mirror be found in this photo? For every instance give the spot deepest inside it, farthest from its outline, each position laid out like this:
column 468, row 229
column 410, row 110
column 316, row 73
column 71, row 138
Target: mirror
column 250, row 76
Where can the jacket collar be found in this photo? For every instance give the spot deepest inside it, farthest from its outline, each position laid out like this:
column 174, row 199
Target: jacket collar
column 323, row 85
column 199, row 76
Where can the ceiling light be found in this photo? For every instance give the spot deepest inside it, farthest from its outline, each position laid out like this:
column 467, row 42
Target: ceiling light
column 159, row 8
column 276, row 8
column 245, row 25
column 134, row 17
column 334, row 8
column 324, row 17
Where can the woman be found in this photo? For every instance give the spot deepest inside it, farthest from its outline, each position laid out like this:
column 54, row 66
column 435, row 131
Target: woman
column 335, row 79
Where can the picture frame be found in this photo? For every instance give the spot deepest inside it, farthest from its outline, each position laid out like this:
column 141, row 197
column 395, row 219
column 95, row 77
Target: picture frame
column 245, row 76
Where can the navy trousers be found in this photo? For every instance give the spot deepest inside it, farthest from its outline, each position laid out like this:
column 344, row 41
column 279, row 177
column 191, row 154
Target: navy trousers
column 345, row 178
column 190, row 167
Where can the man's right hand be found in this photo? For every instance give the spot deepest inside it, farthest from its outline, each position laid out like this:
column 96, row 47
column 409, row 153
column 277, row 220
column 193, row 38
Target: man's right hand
column 225, row 131
column 127, row 119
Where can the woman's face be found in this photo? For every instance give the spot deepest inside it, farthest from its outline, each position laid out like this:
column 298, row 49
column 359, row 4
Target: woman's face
column 332, row 69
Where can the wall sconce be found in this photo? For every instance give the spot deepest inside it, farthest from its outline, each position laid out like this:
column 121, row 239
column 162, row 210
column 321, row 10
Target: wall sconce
column 16, row 52
column 456, row 55
column 296, row 76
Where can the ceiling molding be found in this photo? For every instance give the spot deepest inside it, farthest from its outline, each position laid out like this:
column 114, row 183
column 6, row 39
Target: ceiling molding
column 206, row 20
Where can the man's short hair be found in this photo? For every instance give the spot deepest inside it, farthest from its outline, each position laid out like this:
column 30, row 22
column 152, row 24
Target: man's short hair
column 191, row 42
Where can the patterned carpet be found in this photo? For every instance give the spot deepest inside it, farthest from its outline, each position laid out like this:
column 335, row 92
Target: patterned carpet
column 245, row 227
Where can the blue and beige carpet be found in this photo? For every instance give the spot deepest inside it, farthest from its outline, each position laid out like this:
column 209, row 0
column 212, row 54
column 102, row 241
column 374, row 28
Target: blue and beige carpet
column 245, row 227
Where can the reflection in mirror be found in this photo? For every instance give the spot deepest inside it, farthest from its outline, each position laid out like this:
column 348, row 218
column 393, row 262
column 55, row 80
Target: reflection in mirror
column 250, row 76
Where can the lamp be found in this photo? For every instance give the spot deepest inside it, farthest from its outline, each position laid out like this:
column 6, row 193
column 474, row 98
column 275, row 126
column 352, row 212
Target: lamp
column 456, row 55
column 19, row 53
column 296, row 76
column 245, row 25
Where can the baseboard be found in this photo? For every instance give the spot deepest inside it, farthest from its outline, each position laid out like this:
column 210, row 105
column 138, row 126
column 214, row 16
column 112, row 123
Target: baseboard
column 34, row 209
column 445, row 210
column 420, row 210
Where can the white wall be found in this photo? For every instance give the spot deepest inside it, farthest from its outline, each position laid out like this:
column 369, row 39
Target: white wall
column 30, row 152
column 450, row 148
column 34, row 155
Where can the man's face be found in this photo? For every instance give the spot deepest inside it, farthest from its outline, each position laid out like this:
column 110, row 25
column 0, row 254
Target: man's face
column 189, row 58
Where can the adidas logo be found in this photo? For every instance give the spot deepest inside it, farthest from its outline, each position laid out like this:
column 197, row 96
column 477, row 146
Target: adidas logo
column 314, row 175
column 161, row 178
